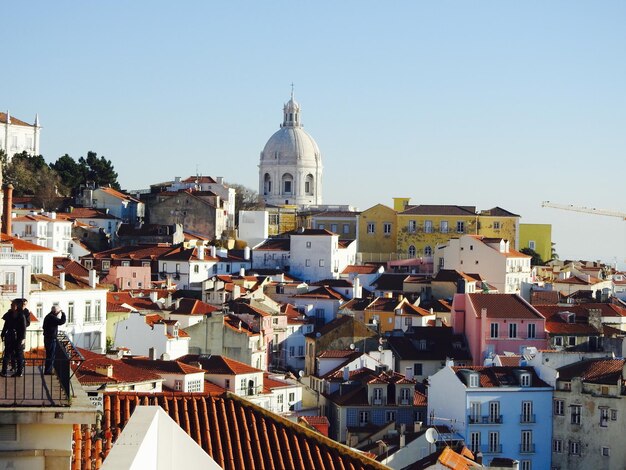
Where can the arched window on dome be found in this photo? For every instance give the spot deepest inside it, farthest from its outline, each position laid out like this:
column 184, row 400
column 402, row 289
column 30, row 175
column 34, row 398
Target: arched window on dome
column 267, row 184
column 428, row 251
column 308, row 185
column 412, row 251
column 287, row 184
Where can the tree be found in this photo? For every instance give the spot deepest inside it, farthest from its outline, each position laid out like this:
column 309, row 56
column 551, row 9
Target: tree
column 24, row 171
column 99, row 170
column 70, row 173
column 535, row 257
column 246, row 199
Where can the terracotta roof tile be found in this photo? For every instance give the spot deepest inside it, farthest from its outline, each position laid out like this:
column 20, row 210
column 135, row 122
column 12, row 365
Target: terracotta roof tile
column 360, row 269
column 14, row 121
column 598, row 371
column 22, row 245
column 235, row 433
column 170, row 367
column 503, row 306
column 220, row 365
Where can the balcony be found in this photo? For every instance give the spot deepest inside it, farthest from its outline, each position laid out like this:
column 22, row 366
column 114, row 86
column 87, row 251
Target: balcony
column 527, row 418
column 491, row 419
column 377, row 401
column 527, row 448
column 491, row 449
column 8, row 288
column 34, row 388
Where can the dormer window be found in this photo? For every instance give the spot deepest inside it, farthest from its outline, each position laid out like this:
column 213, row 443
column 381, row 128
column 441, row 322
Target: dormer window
column 421, row 345
column 571, row 318
column 525, row 380
column 474, row 380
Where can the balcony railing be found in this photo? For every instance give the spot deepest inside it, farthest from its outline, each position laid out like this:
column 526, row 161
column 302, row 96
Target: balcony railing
column 492, row 449
column 33, row 387
column 527, row 448
column 527, row 418
column 8, row 288
column 491, row 419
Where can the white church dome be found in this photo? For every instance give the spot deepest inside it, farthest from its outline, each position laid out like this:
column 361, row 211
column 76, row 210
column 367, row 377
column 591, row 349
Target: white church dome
column 290, row 145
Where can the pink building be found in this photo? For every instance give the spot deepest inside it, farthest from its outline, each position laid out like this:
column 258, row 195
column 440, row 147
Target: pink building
column 129, row 277
column 497, row 323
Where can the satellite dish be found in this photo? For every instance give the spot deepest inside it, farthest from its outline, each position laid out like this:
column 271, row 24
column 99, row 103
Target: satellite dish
column 318, row 334
column 432, row 435
column 301, row 374
column 352, row 346
column 380, row 349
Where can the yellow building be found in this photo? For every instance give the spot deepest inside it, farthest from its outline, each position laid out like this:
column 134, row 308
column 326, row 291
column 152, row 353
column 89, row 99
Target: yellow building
column 344, row 223
column 499, row 223
column 377, row 233
column 537, row 237
column 281, row 219
column 421, row 228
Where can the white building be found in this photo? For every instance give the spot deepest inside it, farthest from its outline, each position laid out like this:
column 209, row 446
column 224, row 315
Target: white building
column 150, row 335
column 44, row 229
column 290, row 169
column 496, row 262
column 84, row 302
column 40, row 258
column 17, row 136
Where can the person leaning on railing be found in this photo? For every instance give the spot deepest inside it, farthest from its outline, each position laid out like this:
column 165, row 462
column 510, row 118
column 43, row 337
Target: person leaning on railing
column 14, row 336
column 50, row 329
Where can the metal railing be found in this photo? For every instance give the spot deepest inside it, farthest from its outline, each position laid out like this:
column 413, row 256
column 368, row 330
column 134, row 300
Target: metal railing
column 527, row 448
column 490, row 419
column 491, row 449
column 33, row 387
column 527, row 418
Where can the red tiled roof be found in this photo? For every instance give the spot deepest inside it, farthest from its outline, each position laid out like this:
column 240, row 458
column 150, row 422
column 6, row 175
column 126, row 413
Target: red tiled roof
column 234, row 432
column 500, row 376
column 121, row 373
column 607, row 310
column 141, row 252
column 220, row 365
column 439, row 210
column 14, row 121
column 69, row 267
column 194, row 307
column 361, row 269
column 599, row 371
column 503, row 306
column 52, row 283
column 321, row 293
column 116, row 299
column 315, row 420
column 85, row 213
column 169, row 367
column 510, row 360
column 21, row 245
column 118, row 194
column 336, row 354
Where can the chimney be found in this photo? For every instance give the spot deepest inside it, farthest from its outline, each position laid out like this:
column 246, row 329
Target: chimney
column 107, row 371
column 152, row 354
column 242, row 272
column 346, row 374
column 92, row 278
column 62, row 280
column 246, row 253
column 483, row 313
column 408, row 373
column 200, row 250
column 7, row 209
column 236, row 292
column 213, row 251
column 154, row 296
column 402, row 440
column 417, row 426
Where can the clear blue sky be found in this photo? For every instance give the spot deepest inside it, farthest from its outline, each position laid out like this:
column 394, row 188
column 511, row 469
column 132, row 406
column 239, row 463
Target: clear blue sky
column 473, row 103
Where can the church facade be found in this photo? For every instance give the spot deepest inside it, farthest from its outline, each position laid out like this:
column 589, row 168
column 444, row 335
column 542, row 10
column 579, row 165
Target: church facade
column 290, row 169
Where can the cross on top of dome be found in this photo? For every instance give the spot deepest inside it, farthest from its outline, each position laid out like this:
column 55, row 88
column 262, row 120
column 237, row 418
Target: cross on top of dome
column 291, row 112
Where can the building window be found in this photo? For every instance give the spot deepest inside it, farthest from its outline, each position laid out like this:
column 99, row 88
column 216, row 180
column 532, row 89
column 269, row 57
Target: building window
column 531, row 244
column 428, row 226
column 417, row 368
column 39, row 311
column 70, row 312
column 494, row 411
column 571, row 340
column 527, row 412
column 558, row 341
column 604, row 417
column 512, row 330
column 574, row 448
column 494, row 442
column 371, row 227
column 575, row 413
column 292, row 351
column 460, row 226
column 378, row 393
column 412, row 226
column 386, row 228
column 88, row 311
column 605, row 451
column 443, row 226
column 334, row 228
column 391, row 416
column 287, row 187
column 346, row 228
column 557, row 446
column 321, row 226
column 613, row 415
column 364, row 418
column 412, row 251
column 527, row 442
column 97, row 311
column 494, row 330
column 496, row 225
column 178, row 385
column 473, row 380
column 428, row 251
column 475, row 441
column 106, row 265
column 526, row 465
column 525, row 380
column 532, row 331
column 321, row 263
column 307, row 263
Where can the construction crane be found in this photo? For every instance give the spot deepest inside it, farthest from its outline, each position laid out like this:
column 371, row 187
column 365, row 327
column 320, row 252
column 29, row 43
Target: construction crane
column 587, row 210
